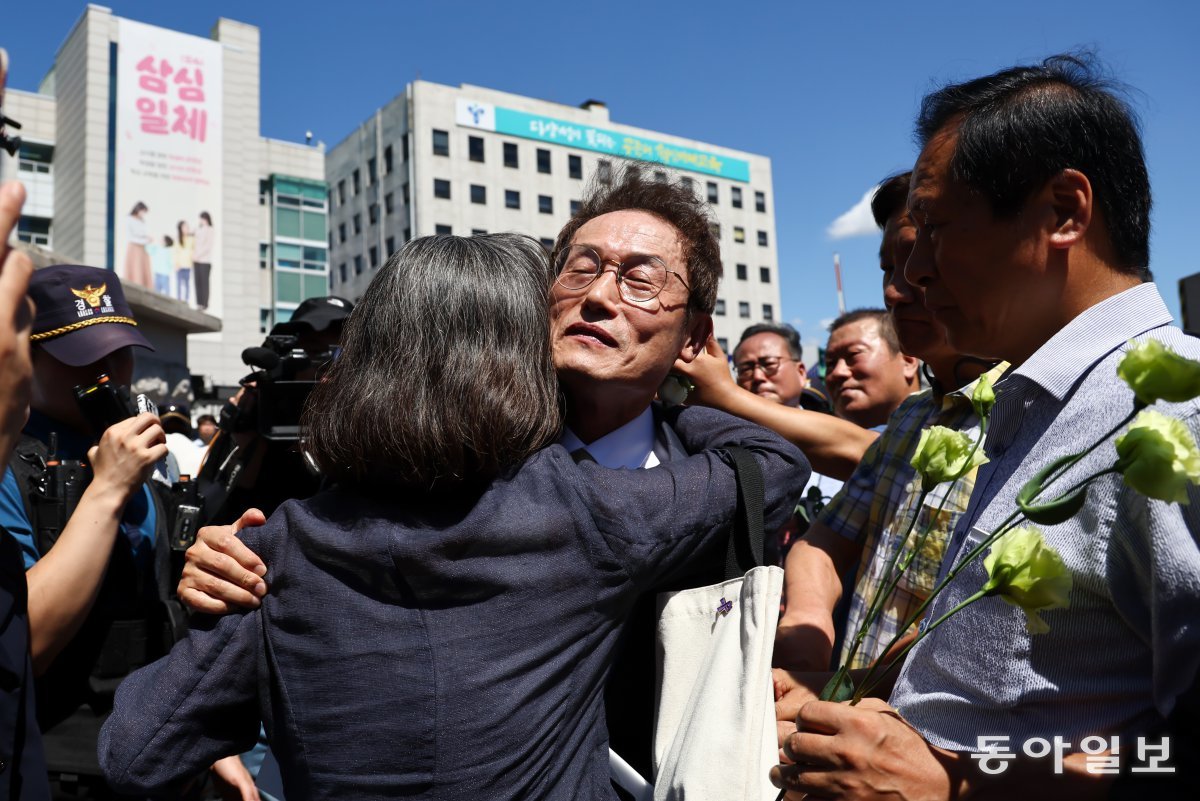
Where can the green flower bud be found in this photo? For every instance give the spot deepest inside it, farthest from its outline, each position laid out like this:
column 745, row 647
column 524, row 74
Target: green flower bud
column 1158, row 457
column 944, row 454
column 1155, row 372
column 1026, row 572
column 984, row 396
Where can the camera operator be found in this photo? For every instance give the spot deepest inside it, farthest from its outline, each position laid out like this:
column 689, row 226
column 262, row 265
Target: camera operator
column 76, row 500
column 256, row 460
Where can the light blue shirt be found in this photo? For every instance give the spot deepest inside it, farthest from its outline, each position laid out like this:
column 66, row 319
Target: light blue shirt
column 630, row 446
column 1115, row 661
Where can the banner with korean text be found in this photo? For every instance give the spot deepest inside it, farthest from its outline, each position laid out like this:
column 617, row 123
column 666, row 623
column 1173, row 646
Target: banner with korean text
column 489, row 117
column 167, row 215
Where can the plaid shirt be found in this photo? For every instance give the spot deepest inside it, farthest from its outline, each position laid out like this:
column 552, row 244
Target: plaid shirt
column 877, row 504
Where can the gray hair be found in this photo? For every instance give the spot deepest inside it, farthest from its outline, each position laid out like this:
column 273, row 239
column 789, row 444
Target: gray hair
column 445, row 374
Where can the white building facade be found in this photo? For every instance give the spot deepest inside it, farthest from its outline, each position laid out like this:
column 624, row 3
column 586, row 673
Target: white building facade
column 467, row 160
column 269, row 202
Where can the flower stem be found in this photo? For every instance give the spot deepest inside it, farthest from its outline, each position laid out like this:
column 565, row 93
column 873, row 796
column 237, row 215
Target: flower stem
column 867, row 684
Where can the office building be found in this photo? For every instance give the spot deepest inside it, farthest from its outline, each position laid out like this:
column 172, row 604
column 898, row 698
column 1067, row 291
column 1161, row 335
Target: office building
column 467, row 160
column 139, row 133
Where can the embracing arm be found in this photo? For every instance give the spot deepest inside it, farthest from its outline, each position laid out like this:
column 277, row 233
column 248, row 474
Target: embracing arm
column 654, row 520
column 171, row 720
column 833, row 446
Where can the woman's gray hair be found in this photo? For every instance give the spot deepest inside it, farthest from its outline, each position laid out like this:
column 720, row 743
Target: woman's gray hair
column 445, row 373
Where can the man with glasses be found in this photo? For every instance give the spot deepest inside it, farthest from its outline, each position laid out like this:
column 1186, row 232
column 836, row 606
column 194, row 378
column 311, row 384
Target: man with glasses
column 638, row 269
column 770, row 364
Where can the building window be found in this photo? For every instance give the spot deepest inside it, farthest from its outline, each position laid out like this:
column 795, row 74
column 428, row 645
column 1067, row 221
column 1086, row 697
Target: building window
column 404, row 146
column 391, row 245
column 372, row 172
column 441, row 188
column 739, row 234
column 342, row 272
column 407, row 234
column 389, row 204
column 358, row 265
column 741, row 272
column 724, row 343
column 374, row 256
column 743, row 309
column 604, row 171
column 543, row 160
column 768, row 312
column 547, row 243
column 764, row 275
column 575, row 166
column 735, row 196
column 342, row 192
column 478, row 194
column 574, row 207
column 510, row 155
column 341, row 232
column 475, row 148
column 373, row 213
column 760, row 201
column 356, row 181
column 715, row 229
column 719, row 309
column 387, row 160
column 264, row 255
column 442, row 230
column 713, row 193
column 478, row 231
column 35, row 158
column 762, row 238
column 404, row 193
column 264, row 193
column 512, row 199
column 545, row 204
column 441, row 143
column 358, row 223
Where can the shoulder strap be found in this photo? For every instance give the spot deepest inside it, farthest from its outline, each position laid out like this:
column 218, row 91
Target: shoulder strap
column 24, row 464
column 745, row 550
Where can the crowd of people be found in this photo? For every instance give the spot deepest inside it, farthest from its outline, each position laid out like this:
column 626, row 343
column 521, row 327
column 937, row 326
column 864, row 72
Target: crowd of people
column 445, row 586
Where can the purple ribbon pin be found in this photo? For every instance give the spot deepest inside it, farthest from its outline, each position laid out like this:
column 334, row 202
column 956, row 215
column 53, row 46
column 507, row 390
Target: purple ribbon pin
column 725, row 607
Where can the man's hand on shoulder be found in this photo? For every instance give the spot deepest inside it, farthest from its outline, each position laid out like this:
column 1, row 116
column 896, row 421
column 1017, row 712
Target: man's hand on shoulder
column 220, row 574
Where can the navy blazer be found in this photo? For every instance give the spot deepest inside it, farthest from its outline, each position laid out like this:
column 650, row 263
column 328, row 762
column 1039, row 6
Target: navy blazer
column 456, row 651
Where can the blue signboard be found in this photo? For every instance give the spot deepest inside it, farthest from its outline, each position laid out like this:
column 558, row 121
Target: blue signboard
column 586, row 137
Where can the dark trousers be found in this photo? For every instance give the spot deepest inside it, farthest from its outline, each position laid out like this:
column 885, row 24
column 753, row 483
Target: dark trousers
column 203, row 271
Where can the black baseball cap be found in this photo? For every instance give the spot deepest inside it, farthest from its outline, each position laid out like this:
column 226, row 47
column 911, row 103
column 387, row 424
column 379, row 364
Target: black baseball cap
column 82, row 314
column 316, row 315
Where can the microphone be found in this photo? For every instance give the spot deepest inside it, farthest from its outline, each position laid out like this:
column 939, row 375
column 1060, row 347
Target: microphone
column 262, row 358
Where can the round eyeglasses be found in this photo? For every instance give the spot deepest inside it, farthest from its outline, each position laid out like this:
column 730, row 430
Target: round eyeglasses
column 640, row 278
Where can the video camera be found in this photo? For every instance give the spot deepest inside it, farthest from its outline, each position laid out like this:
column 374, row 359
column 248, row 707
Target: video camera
column 281, row 395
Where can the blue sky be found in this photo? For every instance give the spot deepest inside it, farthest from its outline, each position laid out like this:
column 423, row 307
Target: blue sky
column 827, row 91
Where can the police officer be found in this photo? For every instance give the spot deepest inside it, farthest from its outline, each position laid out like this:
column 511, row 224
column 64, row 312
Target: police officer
column 94, row 603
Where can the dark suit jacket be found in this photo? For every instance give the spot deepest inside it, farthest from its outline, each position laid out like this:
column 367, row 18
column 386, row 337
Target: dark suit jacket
column 454, row 650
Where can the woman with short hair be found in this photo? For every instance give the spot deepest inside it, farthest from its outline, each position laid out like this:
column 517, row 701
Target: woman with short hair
column 441, row 622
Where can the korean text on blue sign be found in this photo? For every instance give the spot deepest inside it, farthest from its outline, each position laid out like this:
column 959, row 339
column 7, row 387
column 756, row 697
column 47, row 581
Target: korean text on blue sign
column 547, row 129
